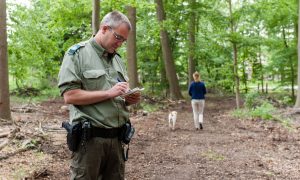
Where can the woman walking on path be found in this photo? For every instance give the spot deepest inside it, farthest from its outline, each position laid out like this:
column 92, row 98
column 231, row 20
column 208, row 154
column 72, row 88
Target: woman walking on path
column 197, row 91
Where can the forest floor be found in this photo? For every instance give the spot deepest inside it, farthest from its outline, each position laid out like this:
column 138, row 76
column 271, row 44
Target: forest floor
column 227, row 148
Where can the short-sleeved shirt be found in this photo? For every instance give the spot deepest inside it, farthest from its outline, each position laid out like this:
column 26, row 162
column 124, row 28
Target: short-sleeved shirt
column 89, row 67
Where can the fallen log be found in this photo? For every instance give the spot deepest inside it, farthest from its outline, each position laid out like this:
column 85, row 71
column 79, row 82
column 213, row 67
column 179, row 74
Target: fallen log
column 10, row 138
column 4, row 134
column 13, row 153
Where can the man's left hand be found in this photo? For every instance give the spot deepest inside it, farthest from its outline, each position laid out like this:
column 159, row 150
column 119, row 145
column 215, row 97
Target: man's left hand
column 133, row 98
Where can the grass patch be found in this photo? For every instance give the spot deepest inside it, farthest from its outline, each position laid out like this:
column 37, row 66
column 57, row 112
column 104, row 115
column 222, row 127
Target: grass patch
column 19, row 173
column 241, row 113
column 213, row 155
column 27, row 167
column 150, row 107
column 265, row 111
column 265, row 107
column 41, row 95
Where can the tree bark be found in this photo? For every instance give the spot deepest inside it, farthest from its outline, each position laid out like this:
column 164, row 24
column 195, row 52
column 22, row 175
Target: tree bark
column 297, row 104
column 292, row 77
column 95, row 16
column 235, row 62
column 245, row 78
column 131, row 49
column 4, row 83
column 192, row 41
column 167, row 54
column 261, row 70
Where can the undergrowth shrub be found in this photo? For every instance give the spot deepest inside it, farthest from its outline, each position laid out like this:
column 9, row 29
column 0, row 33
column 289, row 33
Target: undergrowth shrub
column 264, row 111
column 252, row 100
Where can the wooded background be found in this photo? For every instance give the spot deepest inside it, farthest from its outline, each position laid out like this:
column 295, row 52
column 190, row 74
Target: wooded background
column 238, row 46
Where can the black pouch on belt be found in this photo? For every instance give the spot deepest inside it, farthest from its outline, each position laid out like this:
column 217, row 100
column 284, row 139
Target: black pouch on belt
column 74, row 134
column 127, row 133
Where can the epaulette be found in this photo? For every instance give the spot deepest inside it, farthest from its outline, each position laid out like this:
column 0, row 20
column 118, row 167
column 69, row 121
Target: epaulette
column 118, row 54
column 74, row 48
column 112, row 55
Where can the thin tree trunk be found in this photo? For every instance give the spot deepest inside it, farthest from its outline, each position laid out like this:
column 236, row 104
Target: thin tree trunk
column 291, row 65
column 261, row 71
column 95, row 16
column 237, row 81
column 245, row 78
column 163, row 77
column 4, row 84
column 192, row 42
column 235, row 63
column 297, row 104
column 167, row 54
column 131, row 49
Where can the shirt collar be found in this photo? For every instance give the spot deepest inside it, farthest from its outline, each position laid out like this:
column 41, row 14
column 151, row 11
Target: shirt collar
column 100, row 50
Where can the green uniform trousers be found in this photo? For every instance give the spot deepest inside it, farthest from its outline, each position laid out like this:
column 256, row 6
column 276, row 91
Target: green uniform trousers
column 101, row 159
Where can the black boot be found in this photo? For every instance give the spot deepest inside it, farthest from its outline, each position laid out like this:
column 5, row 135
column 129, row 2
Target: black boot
column 201, row 127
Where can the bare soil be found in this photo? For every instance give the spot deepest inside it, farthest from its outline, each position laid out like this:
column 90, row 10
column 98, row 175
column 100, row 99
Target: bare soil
column 227, row 148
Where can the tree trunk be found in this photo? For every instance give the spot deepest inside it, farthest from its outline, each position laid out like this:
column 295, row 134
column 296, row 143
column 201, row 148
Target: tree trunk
column 95, row 16
column 4, row 85
column 261, row 70
column 191, row 52
column 297, row 104
column 163, row 77
column 167, row 54
column 237, row 81
column 131, row 49
column 292, row 76
column 235, row 63
column 245, row 78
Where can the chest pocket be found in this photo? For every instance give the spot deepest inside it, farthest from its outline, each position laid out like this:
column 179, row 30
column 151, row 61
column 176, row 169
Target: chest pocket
column 95, row 80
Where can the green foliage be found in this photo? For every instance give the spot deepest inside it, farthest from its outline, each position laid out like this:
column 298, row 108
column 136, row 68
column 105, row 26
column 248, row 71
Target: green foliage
column 150, row 107
column 241, row 113
column 264, row 31
column 252, row 100
column 30, row 54
column 264, row 111
column 35, row 42
column 287, row 100
column 281, row 98
column 41, row 95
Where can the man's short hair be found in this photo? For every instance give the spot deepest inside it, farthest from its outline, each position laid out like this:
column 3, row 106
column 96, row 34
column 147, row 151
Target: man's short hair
column 115, row 19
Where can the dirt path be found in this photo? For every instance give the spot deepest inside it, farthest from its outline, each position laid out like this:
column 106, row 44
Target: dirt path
column 227, row 148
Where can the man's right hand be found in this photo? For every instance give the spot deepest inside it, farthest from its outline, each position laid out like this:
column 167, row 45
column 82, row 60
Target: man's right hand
column 83, row 97
column 119, row 89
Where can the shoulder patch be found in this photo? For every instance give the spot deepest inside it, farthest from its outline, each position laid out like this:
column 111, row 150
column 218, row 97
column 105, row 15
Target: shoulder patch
column 118, row 55
column 74, row 48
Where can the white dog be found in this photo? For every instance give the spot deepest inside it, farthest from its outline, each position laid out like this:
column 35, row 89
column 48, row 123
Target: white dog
column 172, row 119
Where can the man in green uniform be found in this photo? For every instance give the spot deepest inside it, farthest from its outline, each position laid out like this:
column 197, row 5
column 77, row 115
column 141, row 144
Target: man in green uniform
column 91, row 79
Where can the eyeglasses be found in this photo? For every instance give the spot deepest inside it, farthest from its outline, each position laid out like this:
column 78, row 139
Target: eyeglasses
column 118, row 37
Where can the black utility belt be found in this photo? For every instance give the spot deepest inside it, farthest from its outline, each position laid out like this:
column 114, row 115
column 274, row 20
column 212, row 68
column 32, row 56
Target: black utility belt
column 81, row 133
column 105, row 133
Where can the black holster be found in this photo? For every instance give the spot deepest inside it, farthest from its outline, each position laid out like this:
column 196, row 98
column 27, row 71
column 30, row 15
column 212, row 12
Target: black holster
column 81, row 133
column 127, row 133
column 74, row 134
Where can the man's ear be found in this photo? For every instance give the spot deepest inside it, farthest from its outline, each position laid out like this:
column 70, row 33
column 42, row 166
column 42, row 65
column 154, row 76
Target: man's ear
column 104, row 29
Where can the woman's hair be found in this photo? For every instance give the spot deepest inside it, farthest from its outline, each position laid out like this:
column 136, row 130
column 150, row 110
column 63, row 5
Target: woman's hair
column 196, row 76
column 115, row 19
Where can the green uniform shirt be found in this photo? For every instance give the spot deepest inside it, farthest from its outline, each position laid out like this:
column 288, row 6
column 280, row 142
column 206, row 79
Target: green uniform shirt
column 87, row 66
